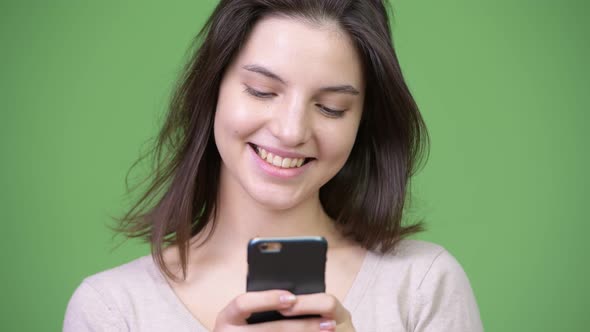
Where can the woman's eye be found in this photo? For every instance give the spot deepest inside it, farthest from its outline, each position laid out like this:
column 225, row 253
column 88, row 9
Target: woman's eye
column 259, row 94
column 332, row 113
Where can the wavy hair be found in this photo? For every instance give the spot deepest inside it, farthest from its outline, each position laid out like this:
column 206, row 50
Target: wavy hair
column 366, row 198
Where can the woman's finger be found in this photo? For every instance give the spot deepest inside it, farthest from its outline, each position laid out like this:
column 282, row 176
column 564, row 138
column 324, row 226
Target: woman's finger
column 295, row 325
column 326, row 305
column 236, row 312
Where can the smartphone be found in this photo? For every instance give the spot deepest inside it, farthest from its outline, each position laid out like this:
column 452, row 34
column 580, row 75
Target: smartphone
column 296, row 264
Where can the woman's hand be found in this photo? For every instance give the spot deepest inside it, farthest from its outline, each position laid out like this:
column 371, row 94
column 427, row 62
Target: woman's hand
column 334, row 317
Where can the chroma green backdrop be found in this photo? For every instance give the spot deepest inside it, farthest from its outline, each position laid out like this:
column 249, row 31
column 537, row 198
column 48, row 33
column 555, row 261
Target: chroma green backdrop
column 503, row 86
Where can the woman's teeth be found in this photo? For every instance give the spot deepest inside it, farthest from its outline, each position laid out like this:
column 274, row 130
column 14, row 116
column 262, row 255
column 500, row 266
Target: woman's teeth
column 279, row 161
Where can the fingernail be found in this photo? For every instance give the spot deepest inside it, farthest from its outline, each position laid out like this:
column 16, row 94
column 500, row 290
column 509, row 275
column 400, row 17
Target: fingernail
column 290, row 298
column 327, row 324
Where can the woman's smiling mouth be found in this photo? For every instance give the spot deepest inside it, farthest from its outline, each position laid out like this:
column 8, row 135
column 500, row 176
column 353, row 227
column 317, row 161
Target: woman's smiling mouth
column 278, row 160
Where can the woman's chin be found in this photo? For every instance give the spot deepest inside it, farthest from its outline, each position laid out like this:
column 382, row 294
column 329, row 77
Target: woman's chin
column 277, row 201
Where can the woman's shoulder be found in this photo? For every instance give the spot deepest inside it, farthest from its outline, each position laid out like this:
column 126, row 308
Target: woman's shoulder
column 107, row 298
column 414, row 249
column 410, row 253
column 418, row 262
column 135, row 274
column 426, row 284
column 137, row 279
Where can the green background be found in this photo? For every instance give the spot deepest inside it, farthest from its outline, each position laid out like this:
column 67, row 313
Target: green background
column 503, row 86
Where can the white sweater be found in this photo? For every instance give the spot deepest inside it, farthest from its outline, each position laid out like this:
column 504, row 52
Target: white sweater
column 420, row 287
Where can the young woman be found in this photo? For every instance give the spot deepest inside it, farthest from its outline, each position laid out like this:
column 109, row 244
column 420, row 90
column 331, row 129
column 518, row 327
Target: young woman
column 292, row 119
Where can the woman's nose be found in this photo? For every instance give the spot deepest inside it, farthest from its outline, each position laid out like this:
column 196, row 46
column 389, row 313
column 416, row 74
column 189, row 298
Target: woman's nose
column 291, row 123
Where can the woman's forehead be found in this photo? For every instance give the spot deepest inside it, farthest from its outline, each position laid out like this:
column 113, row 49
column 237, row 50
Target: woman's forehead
column 301, row 52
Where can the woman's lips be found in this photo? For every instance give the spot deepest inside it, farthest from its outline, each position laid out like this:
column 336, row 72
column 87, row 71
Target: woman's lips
column 280, row 159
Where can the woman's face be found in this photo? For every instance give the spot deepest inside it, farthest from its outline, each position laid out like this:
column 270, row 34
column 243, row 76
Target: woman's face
column 288, row 111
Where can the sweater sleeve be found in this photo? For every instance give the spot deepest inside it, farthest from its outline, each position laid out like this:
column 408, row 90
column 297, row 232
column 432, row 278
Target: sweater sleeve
column 88, row 311
column 444, row 300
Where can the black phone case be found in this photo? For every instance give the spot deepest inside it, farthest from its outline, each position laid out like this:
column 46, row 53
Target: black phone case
column 298, row 267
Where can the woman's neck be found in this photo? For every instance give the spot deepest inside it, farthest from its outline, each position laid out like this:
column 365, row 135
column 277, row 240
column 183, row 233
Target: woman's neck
column 239, row 218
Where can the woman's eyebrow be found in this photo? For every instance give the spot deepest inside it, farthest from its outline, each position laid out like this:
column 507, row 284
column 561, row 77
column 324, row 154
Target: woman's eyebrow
column 348, row 89
column 264, row 71
column 345, row 88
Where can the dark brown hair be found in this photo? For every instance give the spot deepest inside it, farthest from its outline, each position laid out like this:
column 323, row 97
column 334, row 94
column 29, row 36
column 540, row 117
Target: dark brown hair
column 366, row 198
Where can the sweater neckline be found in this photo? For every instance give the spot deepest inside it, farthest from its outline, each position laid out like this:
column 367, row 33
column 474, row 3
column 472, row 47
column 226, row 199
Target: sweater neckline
column 363, row 279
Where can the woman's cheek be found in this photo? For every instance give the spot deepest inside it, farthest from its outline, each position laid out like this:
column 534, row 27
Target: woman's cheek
column 241, row 117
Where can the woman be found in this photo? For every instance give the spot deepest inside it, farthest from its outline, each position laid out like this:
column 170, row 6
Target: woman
column 292, row 119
